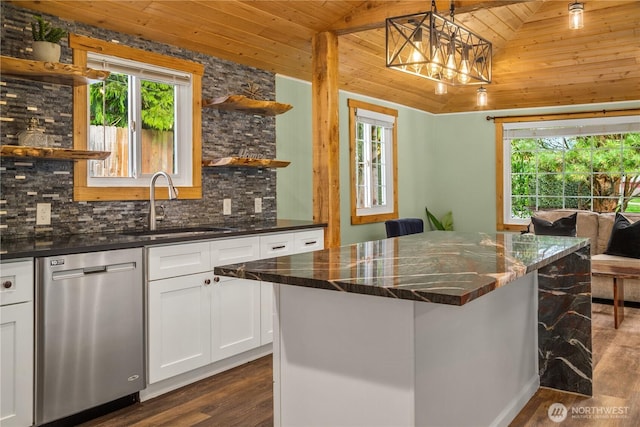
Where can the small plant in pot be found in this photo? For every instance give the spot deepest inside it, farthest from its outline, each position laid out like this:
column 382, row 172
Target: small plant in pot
column 46, row 39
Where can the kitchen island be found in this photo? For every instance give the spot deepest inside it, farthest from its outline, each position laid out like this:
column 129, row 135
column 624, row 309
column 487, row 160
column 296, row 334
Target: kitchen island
column 439, row 328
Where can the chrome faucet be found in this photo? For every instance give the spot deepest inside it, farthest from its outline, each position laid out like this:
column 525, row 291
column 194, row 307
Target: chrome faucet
column 173, row 194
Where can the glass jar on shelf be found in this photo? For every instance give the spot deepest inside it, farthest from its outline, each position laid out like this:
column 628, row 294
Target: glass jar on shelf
column 32, row 136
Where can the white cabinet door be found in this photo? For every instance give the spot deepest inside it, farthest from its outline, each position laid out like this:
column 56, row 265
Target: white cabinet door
column 231, row 251
column 16, row 278
column 179, row 327
column 266, row 313
column 178, row 260
column 235, row 319
column 282, row 244
column 271, row 245
column 16, row 364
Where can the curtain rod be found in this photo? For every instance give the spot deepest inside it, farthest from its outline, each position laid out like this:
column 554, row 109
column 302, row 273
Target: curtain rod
column 544, row 116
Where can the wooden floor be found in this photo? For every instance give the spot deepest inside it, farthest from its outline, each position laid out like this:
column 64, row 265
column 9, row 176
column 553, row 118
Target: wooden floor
column 243, row 396
column 616, row 360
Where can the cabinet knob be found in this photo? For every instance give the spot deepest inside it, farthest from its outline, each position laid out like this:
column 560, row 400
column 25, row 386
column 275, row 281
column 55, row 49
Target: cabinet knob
column 207, row 281
column 216, row 279
column 8, row 284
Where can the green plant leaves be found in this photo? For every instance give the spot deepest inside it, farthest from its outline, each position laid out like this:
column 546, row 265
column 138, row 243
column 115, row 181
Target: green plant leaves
column 445, row 223
column 42, row 30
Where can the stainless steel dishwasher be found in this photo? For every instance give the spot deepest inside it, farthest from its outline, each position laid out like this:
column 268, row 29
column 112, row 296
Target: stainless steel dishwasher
column 89, row 331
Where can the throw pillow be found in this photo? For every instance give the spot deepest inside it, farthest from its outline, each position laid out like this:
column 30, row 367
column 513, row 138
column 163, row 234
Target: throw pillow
column 625, row 238
column 561, row 227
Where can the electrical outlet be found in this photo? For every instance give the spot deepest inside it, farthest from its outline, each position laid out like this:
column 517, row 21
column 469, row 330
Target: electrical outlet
column 257, row 204
column 43, row 214
column 226, row 207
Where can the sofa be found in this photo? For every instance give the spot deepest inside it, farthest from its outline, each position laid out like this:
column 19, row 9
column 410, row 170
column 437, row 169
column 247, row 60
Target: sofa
column 597, row 227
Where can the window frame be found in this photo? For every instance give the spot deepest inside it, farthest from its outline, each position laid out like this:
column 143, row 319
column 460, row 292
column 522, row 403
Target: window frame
column 81, row 45
column 502, row 186
column 372, row 215
column 138, row 72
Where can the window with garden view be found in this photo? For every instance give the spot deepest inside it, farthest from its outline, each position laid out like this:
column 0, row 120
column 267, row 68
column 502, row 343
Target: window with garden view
column 133, row 114
column 590, row 164
column 146, row 114
column 113, row 126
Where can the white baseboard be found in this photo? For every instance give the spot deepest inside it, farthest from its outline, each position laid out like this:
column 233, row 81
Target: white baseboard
column 517, row 403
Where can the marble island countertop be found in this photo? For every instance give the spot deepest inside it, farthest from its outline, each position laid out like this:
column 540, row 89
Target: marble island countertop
column 440, row 267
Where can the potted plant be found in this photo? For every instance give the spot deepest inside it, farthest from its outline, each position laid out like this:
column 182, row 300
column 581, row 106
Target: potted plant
column 46, row 39
column 445, row 223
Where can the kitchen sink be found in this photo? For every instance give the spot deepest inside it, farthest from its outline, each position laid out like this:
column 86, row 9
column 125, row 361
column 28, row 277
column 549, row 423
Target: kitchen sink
column 179, row 232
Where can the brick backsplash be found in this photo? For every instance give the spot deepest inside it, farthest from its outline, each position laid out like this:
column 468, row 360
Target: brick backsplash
column 26, row 182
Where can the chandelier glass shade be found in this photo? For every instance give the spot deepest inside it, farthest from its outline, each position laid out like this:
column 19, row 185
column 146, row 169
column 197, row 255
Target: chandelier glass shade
column 431, row 46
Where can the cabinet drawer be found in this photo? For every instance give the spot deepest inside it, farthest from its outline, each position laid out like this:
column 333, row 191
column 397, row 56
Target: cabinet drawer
column 231, row 251
column 16, row 282
column 178, row 260
column 272, row 245
column 307, row 241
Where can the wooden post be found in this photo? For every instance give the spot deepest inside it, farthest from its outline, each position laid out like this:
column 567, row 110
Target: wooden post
column 326, row 138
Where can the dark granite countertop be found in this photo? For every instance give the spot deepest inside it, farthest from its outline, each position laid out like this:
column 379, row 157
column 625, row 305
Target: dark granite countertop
column 78, row 243
column 440, row 266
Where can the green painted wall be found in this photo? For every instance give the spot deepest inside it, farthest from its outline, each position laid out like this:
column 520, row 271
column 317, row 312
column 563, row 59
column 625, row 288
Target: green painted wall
column 446, row 161
column 293, row 142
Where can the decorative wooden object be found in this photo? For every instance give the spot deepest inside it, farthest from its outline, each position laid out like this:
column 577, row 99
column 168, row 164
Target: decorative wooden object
column 51, row 72
column 245, row 162
column 246, row 105
column 52, row 153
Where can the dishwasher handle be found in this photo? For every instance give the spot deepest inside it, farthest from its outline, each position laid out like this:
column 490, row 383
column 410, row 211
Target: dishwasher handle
column 80, row 272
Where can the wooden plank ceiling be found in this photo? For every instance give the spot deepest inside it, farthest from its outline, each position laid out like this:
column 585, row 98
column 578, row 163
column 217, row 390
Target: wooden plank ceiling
column 537, row 60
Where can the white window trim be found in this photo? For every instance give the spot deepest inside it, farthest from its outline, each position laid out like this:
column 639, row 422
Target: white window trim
column 555, row 128
column 184, row 98
column 386, row 121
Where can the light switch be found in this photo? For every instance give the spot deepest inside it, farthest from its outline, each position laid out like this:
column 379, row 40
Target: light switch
column 43, row 214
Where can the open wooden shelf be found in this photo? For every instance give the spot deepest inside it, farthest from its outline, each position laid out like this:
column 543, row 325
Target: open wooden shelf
column 245, row 162
column 52, row 153
column 246, row 105
column 50, row 72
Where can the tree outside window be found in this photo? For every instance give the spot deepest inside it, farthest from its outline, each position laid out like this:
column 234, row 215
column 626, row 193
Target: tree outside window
column 592, row 164
column 147, row 114
column 599, row 173
column 111, row 130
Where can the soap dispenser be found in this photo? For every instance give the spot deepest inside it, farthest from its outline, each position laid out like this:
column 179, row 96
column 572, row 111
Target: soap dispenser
column 32, row 136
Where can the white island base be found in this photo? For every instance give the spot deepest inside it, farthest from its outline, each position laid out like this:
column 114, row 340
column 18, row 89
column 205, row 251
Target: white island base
column 345, row 359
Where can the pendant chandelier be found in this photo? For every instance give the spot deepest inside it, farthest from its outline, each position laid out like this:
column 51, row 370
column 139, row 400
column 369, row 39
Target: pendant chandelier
column 428, row 45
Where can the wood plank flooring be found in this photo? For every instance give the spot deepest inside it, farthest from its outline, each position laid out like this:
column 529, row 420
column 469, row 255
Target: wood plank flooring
column 243, row 396
column 616, row 358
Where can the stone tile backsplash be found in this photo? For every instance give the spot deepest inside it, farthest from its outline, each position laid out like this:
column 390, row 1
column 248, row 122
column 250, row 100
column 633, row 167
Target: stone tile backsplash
column 26, row 182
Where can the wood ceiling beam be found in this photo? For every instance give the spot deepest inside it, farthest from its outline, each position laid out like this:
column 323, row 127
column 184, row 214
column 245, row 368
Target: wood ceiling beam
column 372, row 14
